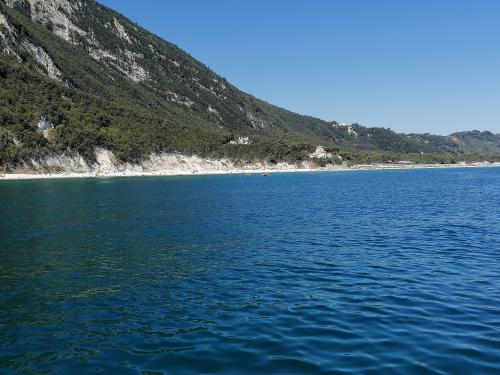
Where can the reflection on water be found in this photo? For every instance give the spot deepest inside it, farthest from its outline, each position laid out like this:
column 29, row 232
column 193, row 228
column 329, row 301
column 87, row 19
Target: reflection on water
column 372, row 272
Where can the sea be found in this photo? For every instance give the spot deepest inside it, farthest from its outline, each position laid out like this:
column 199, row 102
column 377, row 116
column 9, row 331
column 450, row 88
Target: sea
column 356, row 272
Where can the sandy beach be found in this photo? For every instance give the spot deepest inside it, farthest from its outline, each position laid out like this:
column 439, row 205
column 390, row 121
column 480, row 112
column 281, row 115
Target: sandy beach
column 260, row 171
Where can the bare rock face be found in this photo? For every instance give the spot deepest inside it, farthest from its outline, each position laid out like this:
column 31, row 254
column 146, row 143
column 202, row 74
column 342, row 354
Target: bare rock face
column 42, row 57
column 4, row 23
column 57, row 13
column 107, row 164
column 120, row 30
column 62, row 18
column 319, row 153
column 44, row 127
column 12, row 43
column 5, row 26
column 240, row 141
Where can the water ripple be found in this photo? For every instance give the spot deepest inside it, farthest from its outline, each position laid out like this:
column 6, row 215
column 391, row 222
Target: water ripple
column 393, row 272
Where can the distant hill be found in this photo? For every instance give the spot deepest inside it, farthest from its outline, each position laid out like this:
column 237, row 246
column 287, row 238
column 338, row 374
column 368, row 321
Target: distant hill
column 75, row 75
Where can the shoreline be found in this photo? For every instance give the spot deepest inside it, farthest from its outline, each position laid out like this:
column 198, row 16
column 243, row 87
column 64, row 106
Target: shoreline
column 208, row 172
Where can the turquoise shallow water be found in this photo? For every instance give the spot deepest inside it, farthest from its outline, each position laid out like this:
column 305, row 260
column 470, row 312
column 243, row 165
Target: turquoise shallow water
column 386, row 272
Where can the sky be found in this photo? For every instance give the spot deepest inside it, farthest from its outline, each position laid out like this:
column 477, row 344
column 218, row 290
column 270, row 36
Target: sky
column 412, row 66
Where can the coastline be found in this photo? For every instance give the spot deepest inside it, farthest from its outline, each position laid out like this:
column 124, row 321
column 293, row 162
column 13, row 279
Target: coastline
column 235, row 170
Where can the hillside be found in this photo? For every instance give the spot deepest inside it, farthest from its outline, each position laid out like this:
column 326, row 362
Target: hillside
column 76, row 75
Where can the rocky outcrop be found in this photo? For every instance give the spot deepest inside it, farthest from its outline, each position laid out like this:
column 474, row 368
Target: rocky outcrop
column 240, row 141
column 57, row 13
column 107, row 164
column 60, row 16
column 319, row 153
column 5, row 24
column 13, row 43
column 42, row 58
column 45, row 127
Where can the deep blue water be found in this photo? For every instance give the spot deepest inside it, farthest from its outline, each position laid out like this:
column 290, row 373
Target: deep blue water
column 384, row 272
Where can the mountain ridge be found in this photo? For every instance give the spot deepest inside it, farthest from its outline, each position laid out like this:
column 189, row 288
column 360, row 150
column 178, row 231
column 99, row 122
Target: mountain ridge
column 103, row 81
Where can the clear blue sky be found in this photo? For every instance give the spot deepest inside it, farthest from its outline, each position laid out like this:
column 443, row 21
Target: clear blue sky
column 413, row 66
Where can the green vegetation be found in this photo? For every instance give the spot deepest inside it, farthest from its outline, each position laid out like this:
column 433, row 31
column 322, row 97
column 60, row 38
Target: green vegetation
column 85, row 122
